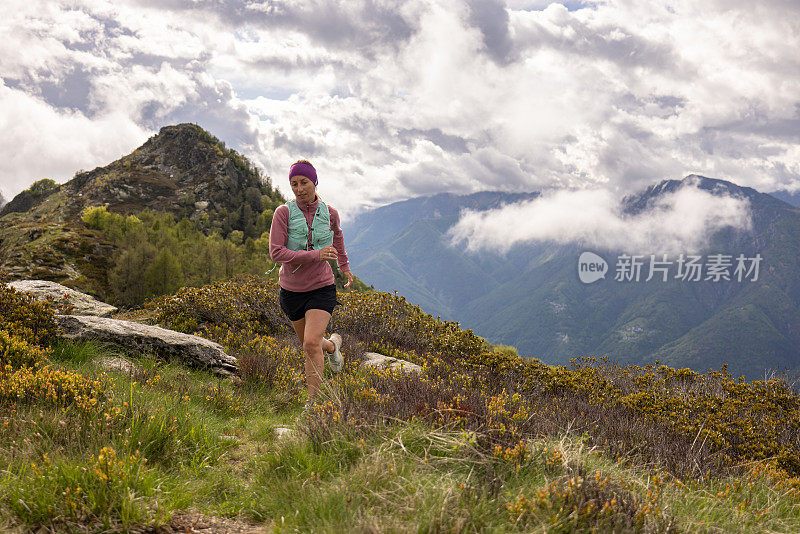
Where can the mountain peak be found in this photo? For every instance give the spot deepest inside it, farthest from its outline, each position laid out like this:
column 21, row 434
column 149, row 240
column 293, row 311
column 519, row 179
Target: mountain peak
column 183, row 170
column 715, row 185
column 183, row 147
column 638, row 202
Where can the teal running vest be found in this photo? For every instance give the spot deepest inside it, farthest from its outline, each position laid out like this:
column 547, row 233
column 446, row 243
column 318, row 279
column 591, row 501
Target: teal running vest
column 321, row 234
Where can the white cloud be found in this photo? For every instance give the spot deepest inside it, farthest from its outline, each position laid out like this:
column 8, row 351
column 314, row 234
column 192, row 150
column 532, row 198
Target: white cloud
column 46, row 143
column 400, row 100
column 679, row 222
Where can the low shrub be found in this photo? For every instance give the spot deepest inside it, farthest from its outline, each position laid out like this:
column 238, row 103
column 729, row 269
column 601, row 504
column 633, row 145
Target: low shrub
column 385, row 319
column 688, row 423
column 580, row 503
column 51, row 387
column 25, row 317
column 16, row 352
column 266, row 363
column 244, row 302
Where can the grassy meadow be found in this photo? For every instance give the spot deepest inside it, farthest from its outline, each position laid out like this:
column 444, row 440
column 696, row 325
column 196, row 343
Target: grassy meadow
column 95, row 439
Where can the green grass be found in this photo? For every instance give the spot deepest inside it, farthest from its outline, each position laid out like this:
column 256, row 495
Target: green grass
column 175, row 440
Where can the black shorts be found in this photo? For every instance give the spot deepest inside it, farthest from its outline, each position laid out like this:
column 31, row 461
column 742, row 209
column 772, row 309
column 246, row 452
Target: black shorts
column 295, row 304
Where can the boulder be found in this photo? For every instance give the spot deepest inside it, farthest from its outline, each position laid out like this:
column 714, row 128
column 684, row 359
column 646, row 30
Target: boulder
column 82, row 303
column 115, row 363
column 373, row 359
column 191, row 350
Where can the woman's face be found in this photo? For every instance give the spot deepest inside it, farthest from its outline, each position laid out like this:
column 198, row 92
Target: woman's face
column 304, row 189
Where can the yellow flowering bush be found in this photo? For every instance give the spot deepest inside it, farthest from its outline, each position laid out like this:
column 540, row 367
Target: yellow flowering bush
column 25, row 317
column 579, row 503
column 16, row 352
column 264, row 361
column 52, row 387
column 675, row 418
column 689, row 423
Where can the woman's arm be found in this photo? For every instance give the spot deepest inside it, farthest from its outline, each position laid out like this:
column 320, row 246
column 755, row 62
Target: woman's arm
column 338, row 244
column 338, row 241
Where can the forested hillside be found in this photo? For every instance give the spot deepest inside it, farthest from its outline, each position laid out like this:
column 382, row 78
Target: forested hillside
column 182, row 209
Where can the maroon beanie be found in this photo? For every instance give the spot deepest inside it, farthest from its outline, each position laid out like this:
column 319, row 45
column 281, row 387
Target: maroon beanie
column 303, row 169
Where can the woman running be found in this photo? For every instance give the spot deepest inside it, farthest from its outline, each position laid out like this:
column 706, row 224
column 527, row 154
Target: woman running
column 305, row 234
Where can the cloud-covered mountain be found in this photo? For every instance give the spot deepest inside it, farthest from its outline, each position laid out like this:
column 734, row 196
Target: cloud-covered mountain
column 676, row 220
column 531, row 296
column 403, row 246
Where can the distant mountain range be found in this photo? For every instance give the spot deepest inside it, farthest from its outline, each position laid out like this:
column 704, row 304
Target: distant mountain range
column 789, row 198
column 532, row 298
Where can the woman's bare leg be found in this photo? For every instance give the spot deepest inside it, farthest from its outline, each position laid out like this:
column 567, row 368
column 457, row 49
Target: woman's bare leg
column 299, row 328
column 315, row 323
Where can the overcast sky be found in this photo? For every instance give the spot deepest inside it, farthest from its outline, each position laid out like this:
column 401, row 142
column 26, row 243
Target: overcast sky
column 392, row 99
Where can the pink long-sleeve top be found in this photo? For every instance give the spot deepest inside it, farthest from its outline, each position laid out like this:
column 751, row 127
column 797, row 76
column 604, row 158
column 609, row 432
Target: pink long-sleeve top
column 312, row 272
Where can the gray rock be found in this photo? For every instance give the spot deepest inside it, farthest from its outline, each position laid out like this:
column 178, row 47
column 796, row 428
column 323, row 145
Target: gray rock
column 82, row 303
column 115, row 363
column 379, row 360
column 191, row 350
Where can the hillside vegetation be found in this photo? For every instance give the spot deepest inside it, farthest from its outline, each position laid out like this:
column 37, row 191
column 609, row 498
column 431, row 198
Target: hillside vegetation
column 181, row 210
column 182, row 176
column 481, row 440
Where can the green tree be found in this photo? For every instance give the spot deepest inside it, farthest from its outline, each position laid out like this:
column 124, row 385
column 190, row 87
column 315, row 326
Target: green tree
column 43, row 187
column 97, row 218
column 208, row 259
column 236, row 237
column 164, row 274
column 264, row 221
column 229, row 256
column 127, row 277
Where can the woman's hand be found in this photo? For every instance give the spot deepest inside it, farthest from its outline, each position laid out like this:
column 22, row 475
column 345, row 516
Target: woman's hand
column 349, row 276
column 328, row 253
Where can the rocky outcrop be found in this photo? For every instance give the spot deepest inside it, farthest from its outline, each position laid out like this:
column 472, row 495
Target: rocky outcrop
column 192, row 350
column 82, row 303
column 183, row 170
column 373, row 359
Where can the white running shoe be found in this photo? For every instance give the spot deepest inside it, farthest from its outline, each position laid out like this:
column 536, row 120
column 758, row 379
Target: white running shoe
column 335, row 359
